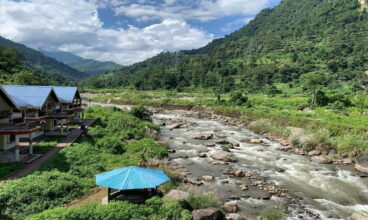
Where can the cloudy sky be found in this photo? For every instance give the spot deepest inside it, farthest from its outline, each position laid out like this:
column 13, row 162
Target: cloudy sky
column 124, row 31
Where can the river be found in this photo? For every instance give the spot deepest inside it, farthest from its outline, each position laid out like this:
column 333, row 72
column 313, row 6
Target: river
column 327, row 191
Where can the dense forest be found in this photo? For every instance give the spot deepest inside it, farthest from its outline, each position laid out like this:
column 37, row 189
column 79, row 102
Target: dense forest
column 321, row 37
column 14, row 71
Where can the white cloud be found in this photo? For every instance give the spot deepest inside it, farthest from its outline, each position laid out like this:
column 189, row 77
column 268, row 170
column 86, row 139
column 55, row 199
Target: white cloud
column 74, row 26
column 202, row 10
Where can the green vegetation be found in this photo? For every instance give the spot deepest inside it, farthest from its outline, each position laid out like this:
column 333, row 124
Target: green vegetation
column 155, row 209
column 325, row 126
column 33, row 60
column 273, row 214
column 45, row 145
column 70, row 174
column 322, row 39
column 202, row 201
column 8, row 168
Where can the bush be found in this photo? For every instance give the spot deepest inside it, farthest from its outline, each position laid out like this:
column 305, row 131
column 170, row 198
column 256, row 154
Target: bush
column 40, row 191
column 355, row 145
column 155, row 209
column 141, row 113
column 273, row 214
column 237, row 98
column 320, row 139
column 272, row 91
column 202, row 201
column 111, row 144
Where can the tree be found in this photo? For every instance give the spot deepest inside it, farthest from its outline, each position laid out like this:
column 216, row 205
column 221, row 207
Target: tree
column 27, row 77
column 313, row 81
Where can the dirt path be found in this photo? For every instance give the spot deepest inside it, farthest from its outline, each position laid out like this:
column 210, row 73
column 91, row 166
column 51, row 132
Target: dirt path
column 38, row 163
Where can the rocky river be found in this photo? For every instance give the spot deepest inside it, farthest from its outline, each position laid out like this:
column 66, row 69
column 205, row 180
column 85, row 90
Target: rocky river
column 252, row 171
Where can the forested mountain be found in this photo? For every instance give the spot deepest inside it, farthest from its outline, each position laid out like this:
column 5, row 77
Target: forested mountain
column 35, row 60
column 279, row 45
column 90, row 66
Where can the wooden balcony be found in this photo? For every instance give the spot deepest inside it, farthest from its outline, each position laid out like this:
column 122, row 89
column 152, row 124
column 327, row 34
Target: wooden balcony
column 22, row 128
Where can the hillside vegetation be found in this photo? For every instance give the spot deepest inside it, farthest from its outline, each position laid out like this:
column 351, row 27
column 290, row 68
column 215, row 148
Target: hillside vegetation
column 35, row 60
column 89, row 66
column 278, row 46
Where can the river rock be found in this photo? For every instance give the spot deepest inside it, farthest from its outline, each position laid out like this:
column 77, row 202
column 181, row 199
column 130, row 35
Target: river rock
column 362, row 164
column 173, row 126
column 208, row 178
column 177, row 195
column 233, row 197
column 224, row 156
column 220, row 135
column 243, row 187
column 223, row 142
column 218, row 162
column 314, row 153
column 357, row 216
column 234, row 216
column 210, row 144
column 207, row 214
column 239, row 173
column 321, row 159
column 255, row 141
column 202, row 155
column 202, row 136
column 231, row 207
column 193, row 181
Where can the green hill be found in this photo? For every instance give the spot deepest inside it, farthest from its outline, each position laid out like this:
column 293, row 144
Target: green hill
column 279, row 45
column 89, row 66
column 36, row 60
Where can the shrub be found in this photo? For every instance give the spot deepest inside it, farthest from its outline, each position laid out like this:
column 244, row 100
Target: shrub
column 40, row 191
column 355, row 145
column 141, row 113
column 272, row 91
column 168, row 209
column 202, row 201
column 273, row 214
column 237, row 98
column 111, row 144
column 320, row 139
column 155, row 209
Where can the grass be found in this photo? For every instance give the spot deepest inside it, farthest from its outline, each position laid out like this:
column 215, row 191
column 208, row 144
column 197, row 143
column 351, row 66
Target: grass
column 8, row 168
column 46, row 144
column 273, row 214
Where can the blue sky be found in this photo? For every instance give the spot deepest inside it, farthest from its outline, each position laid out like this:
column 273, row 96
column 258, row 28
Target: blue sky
column 124, row 31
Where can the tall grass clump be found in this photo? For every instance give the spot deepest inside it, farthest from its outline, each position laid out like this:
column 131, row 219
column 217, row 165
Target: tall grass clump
column 319, row 140
column 273, row 214
column 354, row 145
column 263, row 126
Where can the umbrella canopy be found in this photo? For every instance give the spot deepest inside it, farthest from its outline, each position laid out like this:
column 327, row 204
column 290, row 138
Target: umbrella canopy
column 131, row 178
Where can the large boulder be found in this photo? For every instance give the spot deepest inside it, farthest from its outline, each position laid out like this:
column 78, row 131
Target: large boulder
column 177, row 195
column 357, row 216
column 207, row 214
column 202, row 136
column 321, row 159
column 224, row 156
column 362, row 164
column 231, row 207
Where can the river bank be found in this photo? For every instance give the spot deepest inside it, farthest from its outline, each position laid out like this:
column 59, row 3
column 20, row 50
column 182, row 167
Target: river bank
column 261, row 175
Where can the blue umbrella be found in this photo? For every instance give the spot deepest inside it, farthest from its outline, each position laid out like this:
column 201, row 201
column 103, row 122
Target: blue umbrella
column 128, row 178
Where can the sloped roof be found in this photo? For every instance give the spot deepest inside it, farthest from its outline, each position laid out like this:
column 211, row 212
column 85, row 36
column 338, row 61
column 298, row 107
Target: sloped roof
column 28, row 96
column 65, row 94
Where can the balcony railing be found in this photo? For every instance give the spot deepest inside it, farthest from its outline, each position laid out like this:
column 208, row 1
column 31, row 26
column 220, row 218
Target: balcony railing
column 23, row 127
